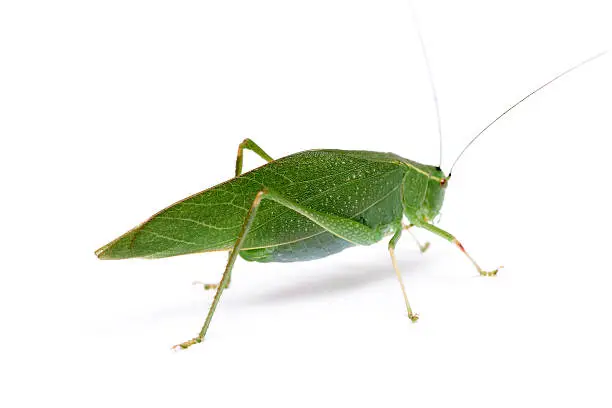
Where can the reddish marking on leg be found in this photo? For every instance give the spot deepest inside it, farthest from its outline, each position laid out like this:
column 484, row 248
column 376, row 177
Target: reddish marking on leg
column 460, row 246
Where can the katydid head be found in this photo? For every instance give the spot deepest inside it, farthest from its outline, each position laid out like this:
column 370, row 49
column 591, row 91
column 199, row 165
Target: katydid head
column 434, row 196
column 423, row 194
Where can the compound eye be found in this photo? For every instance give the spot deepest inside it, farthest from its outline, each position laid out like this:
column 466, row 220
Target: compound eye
column 443, row 183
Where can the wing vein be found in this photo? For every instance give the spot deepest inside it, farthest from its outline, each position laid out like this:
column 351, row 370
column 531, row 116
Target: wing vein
column 157, row 234
column 199, row 223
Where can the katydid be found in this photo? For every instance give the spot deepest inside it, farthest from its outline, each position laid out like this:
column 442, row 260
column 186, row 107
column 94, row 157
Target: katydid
column 301, row 207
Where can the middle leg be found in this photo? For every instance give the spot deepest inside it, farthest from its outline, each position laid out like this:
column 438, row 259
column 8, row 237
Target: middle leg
column 392, row 243
column 422, row 247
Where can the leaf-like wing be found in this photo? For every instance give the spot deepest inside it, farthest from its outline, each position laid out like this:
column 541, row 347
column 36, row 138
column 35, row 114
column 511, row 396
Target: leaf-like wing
column 347, row 184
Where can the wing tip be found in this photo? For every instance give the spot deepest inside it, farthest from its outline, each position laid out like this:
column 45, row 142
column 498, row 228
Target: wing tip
column 120, row 248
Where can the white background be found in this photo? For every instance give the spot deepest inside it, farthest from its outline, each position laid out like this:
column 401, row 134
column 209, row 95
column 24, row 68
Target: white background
column 109, row 111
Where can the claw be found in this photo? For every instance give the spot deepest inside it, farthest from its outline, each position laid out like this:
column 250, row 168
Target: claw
column 413, row 317
column 491, row 273
column 207, row 286
column 187, row 344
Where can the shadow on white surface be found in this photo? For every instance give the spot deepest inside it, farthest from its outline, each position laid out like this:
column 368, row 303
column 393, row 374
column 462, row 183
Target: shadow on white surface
column 347, row 279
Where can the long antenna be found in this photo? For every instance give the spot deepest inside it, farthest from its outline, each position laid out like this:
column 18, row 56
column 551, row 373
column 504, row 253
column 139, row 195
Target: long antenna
column 519, row 102
column 415, row 21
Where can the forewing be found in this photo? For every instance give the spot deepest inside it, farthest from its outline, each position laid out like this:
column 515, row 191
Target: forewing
column 328, row 181
column 346, row 185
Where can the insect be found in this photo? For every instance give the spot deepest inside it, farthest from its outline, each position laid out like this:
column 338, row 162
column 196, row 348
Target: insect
column 301, row 207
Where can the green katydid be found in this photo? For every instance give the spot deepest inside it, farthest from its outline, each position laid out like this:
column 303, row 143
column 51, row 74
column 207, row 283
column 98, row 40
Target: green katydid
column 301, row 207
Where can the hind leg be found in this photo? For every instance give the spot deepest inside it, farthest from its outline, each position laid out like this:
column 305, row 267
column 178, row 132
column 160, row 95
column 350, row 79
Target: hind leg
column 344, row 228
column 227, row 274
column 249, row 145
column 209, row 286
column 254, row 147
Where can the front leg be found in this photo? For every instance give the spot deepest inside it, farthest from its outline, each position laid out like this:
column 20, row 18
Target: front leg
column 450, row 238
